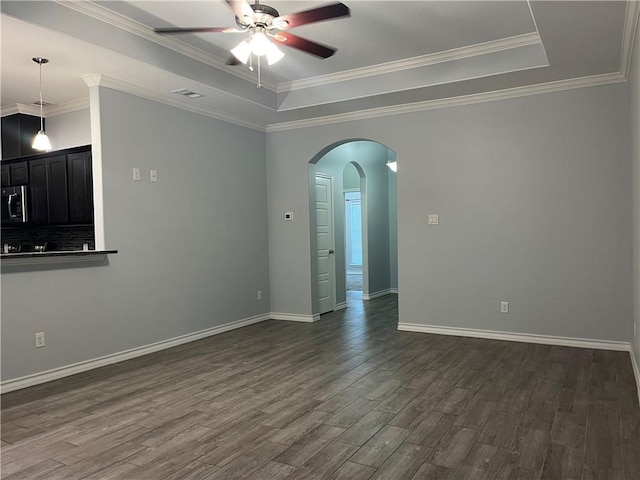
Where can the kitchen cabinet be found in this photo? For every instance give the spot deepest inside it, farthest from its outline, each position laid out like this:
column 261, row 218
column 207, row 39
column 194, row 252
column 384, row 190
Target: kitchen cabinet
column 80, row 184
column 16, row 173
column 38, row 201
column 60, row 185
column 57, row 189
column 4, row 176
column 18, row 131
column 19, row 173
column 48, row 190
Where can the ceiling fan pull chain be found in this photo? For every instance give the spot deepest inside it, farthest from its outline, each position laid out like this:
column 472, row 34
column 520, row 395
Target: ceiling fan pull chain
column 259, row 80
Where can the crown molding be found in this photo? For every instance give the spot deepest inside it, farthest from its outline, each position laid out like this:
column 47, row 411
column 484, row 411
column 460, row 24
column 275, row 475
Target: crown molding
column 117, row 20
column 68, row 107
column 178, row 102
column 631, row 19
column 20, row 108
column 51, row 111
column 505, row 94
column 101, row 80
column 414, row 62
column 92, row 79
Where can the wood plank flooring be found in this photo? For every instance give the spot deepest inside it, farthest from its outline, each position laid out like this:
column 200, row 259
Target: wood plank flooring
column 348, row 397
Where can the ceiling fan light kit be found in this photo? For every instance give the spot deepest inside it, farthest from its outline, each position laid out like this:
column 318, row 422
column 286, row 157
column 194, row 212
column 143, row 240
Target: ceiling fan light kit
column 265, row 26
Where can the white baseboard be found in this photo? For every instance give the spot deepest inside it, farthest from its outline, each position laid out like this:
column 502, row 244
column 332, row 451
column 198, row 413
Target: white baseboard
column 636, row 370
column 293, row 317
column 517, row 337
column 340, row 306
column 68, row 370
column 393, row 290
column 380, row 293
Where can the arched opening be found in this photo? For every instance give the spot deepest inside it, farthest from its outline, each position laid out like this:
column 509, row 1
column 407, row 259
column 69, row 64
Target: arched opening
column 356, row 239
column 352, row 178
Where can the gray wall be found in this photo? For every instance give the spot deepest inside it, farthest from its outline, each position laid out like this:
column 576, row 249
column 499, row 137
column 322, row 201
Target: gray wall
column 534, row 196
column 371, row 157
column 192, row 247
column 69, row 129
column 350, row 177
column 634, row 86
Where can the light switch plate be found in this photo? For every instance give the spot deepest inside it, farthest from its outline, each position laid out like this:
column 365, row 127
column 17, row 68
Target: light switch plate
column 136, row 174
column 153, row 175
column 434, row 219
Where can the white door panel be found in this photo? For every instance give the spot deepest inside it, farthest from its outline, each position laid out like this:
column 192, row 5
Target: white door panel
column 325, row 245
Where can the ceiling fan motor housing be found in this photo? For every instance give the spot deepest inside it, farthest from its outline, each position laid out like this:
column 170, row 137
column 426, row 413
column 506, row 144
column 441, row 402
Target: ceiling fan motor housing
column 263, row 16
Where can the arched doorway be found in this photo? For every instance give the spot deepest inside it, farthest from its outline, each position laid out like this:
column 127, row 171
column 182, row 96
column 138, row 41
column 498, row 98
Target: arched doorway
column 328, row 222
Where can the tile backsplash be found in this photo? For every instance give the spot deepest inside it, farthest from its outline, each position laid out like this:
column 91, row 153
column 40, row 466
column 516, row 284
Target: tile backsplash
column 57, row 238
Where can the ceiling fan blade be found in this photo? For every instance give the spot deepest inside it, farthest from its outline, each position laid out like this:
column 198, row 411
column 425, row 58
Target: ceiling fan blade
column 241, row 8
column 303, row 44
column 176, row 30
column 319, row 14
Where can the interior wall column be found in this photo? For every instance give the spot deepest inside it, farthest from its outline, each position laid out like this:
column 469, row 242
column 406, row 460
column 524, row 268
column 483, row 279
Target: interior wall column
column 93, row 82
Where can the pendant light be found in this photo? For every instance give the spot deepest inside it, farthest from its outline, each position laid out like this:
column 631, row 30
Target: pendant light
column 41, row 141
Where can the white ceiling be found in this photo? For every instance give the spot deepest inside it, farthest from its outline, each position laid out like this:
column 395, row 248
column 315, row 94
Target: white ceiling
column 389, row 54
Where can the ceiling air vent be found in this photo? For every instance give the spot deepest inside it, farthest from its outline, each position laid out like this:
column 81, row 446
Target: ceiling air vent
column 44, row 104
column 187, row 93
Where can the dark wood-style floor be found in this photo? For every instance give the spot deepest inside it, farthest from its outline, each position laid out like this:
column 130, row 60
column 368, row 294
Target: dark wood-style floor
column 348, row 397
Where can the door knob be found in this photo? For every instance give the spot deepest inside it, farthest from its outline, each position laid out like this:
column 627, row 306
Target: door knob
column 332, row 251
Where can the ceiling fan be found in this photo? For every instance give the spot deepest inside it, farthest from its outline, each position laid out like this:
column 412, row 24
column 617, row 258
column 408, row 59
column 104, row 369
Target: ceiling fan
column 265, row 25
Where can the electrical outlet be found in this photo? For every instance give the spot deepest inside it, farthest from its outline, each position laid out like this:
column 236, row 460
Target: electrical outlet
column 504, row 307
column 259, row 294
column 40, row 340
column 433, row 219
column 136, row 174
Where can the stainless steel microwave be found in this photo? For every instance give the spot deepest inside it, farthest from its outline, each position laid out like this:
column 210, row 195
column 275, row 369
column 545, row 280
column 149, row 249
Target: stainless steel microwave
column 14, row 205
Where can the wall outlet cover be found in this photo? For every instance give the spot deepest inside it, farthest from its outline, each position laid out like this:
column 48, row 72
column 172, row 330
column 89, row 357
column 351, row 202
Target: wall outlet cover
column 433, row 219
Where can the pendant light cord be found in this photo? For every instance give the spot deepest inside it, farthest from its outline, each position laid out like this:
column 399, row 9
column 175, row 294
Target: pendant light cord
column 41, row 121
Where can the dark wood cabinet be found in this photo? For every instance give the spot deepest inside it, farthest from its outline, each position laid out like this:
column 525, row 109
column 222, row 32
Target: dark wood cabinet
column 16, row 173
column 18, row 131
column 4, row 176
column 60, row 185
column 19, row 173
column 38, row 194
column 57, row 189
column 80, row 184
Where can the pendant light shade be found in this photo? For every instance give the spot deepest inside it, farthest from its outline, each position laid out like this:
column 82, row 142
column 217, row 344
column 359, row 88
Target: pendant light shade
column 41, row 141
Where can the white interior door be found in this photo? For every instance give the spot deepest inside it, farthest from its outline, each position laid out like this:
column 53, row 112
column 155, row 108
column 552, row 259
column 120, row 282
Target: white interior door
column 325, row 241
column 353, row 232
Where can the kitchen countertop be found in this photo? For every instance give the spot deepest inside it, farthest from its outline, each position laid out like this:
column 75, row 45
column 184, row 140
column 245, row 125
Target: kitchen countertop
column 54, row 256
column 56, row 253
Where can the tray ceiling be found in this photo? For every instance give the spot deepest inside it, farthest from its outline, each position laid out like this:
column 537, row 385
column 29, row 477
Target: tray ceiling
column 389, row 54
